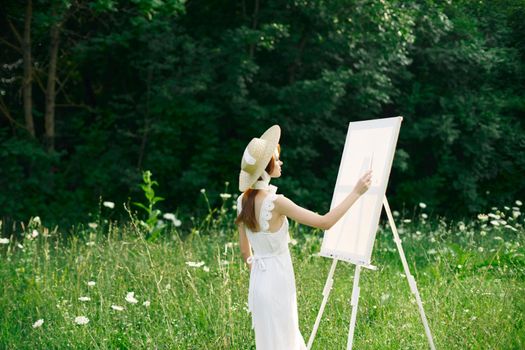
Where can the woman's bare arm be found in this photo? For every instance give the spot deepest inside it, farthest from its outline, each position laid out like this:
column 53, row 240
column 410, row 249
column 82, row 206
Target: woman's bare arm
column 287, row 207
column 244, row 244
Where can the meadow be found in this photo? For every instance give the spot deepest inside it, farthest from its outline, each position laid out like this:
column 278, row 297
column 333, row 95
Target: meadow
column 104, row 285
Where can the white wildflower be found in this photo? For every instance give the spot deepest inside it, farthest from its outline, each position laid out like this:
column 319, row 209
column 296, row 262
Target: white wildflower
column 168, row 286
column 234, row 207
column 38, row 323
column 418, row 233
column 203, row 190
column 195, row 264
column 407, row 221
column 225, row 195
column 494, row 216
column 480, row 249
column 4, row 240
column 81, row 320
column 498, row 238
column 512, row 228
column 130, row 298
column 117, row 308
column 506, row 208
column 395, row 213
column 169, row 216
column 37, row 221
column 146, row 303
column 494, row 222
column 424, row 216
column 34, row 234
column 91, row 283
column 515, row 214
column 93, row 225
column 90, row 243
column 422, row 205
column 461, row 226
column 483, row 217
column 84, row 298
column 20, row 246
column 483, row 233
column 518, row 203
column 109, row 204
column 431, row 251
column 293, row 241
column 206, row 269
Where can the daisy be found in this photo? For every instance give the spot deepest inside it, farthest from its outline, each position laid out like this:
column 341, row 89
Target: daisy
column 81, row 320
column 169, row 216
column 38, row 323
column 130, row 298
column 109, row 204
column 195, row 264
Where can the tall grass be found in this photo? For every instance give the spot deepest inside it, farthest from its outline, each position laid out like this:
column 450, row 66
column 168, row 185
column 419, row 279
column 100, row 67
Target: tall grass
column 471, row 277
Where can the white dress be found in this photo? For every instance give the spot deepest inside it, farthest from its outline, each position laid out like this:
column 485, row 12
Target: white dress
column 272, row 296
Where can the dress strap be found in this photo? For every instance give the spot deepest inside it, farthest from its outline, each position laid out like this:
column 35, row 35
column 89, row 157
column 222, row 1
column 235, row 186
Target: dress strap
column 239, row 204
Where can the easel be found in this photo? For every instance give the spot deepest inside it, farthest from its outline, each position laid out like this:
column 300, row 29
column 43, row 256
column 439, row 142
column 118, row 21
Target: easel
column 356, row 289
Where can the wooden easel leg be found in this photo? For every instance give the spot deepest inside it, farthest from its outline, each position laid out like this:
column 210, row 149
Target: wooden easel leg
column 354, row 301
column 326, row 292
column 410, row 278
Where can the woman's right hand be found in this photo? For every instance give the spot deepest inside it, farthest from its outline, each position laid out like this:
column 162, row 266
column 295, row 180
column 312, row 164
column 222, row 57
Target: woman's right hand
column 363, row 184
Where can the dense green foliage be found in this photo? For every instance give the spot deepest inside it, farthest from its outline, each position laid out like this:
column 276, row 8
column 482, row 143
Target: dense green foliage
column 180, row 88
column 190, row 291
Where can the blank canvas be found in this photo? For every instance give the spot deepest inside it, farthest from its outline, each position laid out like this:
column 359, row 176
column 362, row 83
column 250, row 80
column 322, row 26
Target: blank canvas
column 369, row 143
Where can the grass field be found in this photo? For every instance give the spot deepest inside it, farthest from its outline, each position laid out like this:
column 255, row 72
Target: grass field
column 188, row 290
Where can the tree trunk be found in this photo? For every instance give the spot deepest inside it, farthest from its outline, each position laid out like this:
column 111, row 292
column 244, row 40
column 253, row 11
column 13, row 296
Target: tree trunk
column 28, row 71
column 51, row 83
column 254, row 26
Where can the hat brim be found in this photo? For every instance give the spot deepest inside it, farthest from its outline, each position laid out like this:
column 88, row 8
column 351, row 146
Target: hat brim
column 271, row 136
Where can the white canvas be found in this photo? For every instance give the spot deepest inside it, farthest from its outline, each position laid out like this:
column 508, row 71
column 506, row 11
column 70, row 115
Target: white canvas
column 369, row 144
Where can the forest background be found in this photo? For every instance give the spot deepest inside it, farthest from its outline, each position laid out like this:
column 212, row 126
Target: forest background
column 94, row 92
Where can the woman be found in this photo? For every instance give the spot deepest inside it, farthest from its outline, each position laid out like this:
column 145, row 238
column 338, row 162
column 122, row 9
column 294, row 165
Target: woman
column 263, row 225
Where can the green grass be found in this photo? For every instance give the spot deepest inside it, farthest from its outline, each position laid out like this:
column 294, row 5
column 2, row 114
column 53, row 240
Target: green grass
column 472, row 287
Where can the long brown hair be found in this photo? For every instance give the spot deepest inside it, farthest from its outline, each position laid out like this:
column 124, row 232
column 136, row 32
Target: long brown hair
column 247, row 215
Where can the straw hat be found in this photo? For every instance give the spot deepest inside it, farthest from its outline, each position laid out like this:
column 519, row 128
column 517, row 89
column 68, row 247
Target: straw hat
column 257, row 155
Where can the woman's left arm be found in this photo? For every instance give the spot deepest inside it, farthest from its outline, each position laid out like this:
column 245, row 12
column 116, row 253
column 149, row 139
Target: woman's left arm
column 246, row 249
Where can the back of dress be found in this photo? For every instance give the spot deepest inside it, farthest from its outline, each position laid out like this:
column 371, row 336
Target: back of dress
column 272, row 296
column 265, row 242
